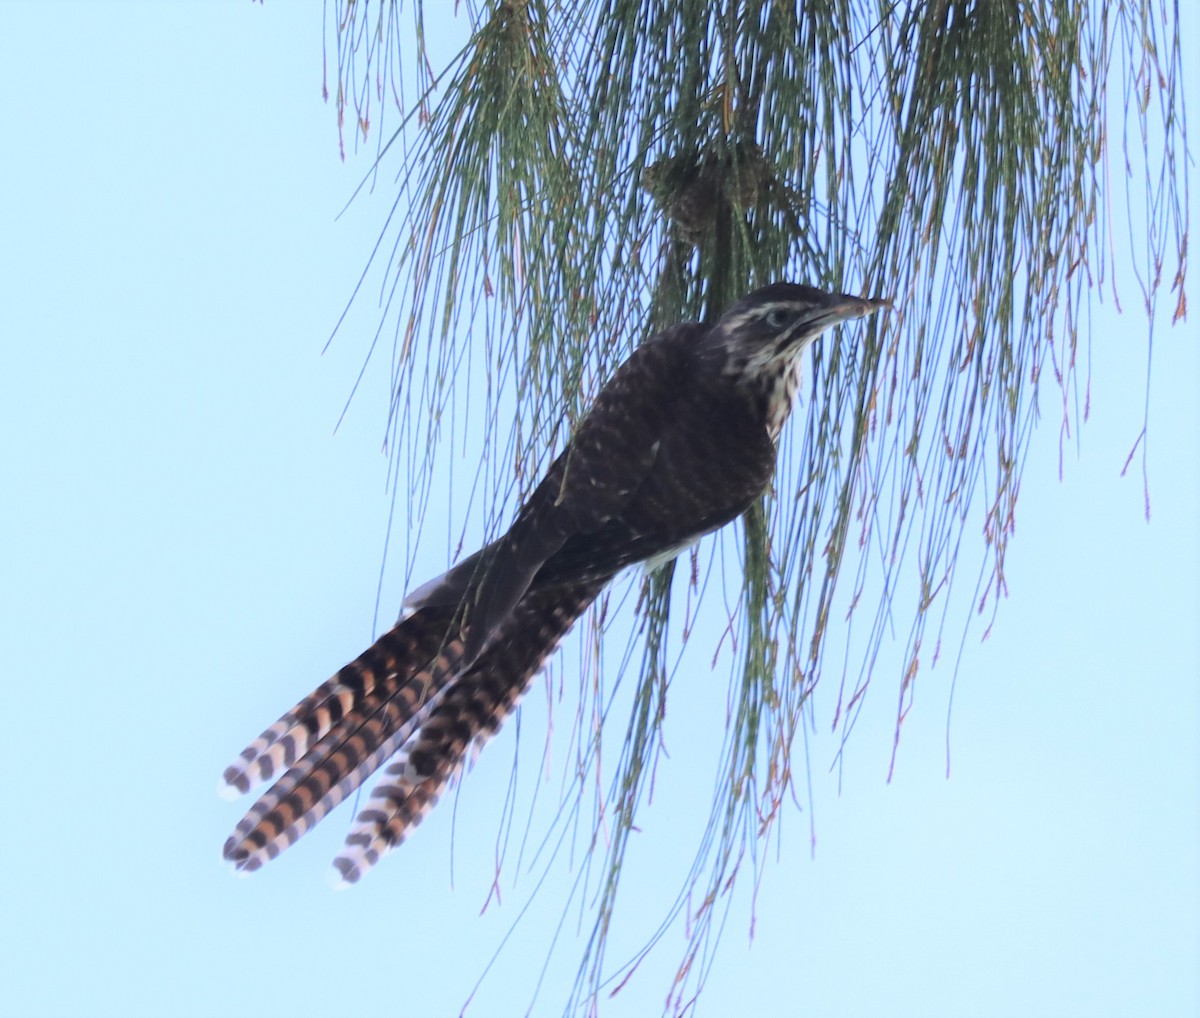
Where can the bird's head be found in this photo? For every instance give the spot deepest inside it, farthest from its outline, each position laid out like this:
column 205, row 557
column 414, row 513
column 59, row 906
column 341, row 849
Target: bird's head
column 759, row 340
column 764, row 332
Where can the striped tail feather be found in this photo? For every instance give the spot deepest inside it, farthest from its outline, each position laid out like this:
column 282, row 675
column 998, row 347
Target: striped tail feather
column 394, row 656
column 396, row 683
column 399, row 804
column 331, row 771
column 472, row 710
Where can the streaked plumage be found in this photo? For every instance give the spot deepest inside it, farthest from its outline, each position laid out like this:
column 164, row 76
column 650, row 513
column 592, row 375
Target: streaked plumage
column 678, row 443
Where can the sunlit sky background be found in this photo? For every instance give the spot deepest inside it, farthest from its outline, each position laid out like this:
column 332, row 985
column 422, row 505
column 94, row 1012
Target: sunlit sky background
column 187, row 547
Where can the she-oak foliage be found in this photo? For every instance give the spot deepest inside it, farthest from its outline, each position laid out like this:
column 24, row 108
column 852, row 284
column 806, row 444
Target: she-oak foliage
column 582, row 174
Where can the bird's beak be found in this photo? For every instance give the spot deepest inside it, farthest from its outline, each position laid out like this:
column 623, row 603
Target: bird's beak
column 842, row 307
column 835, row 308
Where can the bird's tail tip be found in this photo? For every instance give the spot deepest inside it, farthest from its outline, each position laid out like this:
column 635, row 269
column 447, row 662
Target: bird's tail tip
column 242, row 868
column 344, row 874
column 229, row 788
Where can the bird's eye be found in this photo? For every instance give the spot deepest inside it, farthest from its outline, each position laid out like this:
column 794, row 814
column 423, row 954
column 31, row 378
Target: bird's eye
column 777, row 318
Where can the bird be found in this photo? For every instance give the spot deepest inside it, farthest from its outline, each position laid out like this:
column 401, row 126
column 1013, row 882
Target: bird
column 681, row 440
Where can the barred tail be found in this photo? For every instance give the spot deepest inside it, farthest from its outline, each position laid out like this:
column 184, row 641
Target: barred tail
column 471, row 710
column 342, row 732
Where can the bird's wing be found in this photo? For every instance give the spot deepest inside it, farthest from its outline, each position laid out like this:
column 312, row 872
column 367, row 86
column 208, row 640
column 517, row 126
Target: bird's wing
column 607, row 460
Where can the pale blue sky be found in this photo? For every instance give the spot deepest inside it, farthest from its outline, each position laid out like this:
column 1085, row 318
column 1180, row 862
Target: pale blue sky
column 187, row 548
